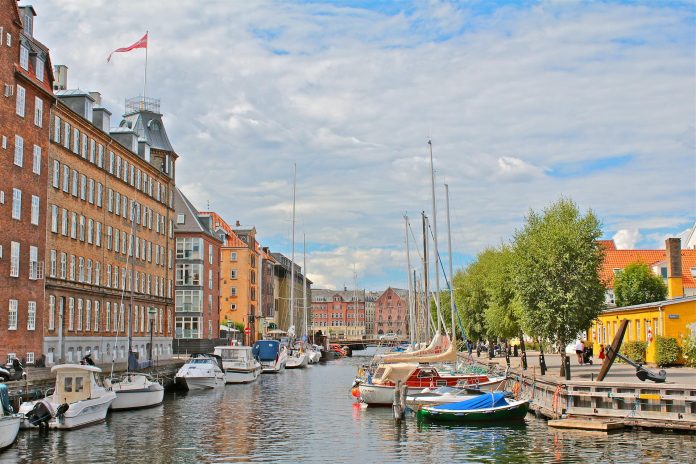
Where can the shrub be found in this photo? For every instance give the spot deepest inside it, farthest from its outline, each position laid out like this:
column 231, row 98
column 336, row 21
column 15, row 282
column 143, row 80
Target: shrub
column 666, row 350
column 635, row 351
column 689, row 348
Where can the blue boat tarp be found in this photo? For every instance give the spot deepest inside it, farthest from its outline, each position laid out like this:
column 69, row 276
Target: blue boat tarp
column 266, row 350
column 485, row 401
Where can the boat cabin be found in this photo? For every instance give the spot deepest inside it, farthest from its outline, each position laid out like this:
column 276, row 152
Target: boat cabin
column 234, row 354
column 75, row 382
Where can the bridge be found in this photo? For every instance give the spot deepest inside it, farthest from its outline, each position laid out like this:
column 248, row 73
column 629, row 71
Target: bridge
column 364, row 343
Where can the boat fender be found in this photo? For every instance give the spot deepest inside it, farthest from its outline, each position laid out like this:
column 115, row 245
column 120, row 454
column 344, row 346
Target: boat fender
column 355, row 392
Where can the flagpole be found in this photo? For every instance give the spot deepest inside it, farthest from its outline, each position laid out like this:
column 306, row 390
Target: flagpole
column 145, row 84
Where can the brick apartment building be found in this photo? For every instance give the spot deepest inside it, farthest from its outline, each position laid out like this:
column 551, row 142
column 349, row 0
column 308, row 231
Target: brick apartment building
column 391, row 313
column 197, row 271
column 26, row 81
column 282, row 278
column 109, row 230
column 341, row 314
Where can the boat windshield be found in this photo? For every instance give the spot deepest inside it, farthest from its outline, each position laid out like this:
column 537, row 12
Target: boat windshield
column 443, row 390
column 201, row 361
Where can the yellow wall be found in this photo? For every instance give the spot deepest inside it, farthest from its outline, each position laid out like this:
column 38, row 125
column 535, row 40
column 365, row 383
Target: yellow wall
column 652, row 317
column 243, row 282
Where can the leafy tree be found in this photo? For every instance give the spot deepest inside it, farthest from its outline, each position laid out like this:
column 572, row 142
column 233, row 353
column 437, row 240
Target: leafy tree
column 504, row 307
column 557, row 262
column 637, row 284
column 471, row 298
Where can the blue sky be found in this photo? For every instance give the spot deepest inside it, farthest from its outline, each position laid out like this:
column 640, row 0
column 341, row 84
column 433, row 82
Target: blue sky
column 525, row 102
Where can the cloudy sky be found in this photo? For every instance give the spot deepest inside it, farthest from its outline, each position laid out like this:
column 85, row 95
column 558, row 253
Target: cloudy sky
column 525, row 102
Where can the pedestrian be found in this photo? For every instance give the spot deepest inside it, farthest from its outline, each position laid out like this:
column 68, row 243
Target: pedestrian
column 578, row 351
column 601, row 352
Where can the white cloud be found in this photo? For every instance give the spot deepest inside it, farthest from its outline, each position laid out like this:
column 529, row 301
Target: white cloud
column 351, row 95
column 626, row 239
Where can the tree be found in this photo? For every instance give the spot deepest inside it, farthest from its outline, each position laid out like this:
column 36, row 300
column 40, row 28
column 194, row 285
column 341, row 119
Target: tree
column 636, row 284
column 503, row 309
column 557, row 263
column 471, row 298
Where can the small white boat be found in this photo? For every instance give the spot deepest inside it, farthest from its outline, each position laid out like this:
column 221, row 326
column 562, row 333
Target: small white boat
column 79, row 399
column 272, row 355
column 238, row 364
column 314, row 354
column 9, row 421
column 201, row 372
column 136, row 390
column 298, row 358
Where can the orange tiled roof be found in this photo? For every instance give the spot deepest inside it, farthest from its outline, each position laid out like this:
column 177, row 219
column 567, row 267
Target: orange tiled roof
column 619, row 259
column 607, row 244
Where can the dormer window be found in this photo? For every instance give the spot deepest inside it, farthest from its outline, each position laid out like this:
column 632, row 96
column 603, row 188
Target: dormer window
column 617, row 270
column 28, row 24
column 180, row 218
column 39, row 69
column 24, row 57
column 693, row 272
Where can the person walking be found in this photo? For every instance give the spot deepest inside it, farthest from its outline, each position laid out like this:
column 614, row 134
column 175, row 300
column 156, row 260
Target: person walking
column 579, row 350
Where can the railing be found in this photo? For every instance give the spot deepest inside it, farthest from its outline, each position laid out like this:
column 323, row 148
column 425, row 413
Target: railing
column 137, row 104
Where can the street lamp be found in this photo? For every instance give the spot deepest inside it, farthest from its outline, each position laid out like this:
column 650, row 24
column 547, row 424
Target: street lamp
column 151, row 317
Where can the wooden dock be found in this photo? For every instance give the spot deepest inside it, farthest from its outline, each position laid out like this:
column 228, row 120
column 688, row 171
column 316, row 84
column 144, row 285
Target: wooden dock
column 595, row 425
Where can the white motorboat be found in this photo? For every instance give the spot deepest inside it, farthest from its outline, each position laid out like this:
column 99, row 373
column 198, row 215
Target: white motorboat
column 314, row 354
column 136, row 390
column 297, row 359
column 238, row 364
column 201, row 372
column 9, row 421
column 79, row 399
column 272, row 355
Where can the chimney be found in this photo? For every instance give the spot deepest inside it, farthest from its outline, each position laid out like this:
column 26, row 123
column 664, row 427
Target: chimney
column 238, row 224
column 60, row 72
column 675, row 285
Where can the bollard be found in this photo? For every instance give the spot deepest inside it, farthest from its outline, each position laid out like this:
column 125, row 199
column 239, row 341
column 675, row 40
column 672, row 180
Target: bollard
column 566, row 360
column 396, row 406
column 542, row 363
column 524, row 360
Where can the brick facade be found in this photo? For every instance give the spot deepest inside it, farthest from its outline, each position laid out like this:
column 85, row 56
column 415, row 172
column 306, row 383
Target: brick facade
column 26, row 82
column 391, row 313
column 339, row 313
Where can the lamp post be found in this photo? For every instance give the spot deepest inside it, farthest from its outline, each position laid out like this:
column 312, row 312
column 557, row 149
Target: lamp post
column 151, row 317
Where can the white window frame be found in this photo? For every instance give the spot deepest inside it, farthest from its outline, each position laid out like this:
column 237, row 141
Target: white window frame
column 35, row 210
column 31, row 315
column 19, row 151
column 16, row 204
column 38, row 112
column 12, row 316
column 19, row 106
column 36, row 165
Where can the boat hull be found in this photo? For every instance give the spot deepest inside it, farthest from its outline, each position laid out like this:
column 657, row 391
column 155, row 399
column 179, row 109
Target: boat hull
column 201, row 383
column 380, row 395
column 9, row 427
column 79, row 414
column 297, row 362
column 138, row 398
column 242, row 375
column 272, row 368
column 513, row 412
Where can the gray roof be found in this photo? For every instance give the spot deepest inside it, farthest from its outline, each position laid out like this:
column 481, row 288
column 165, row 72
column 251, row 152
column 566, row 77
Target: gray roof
column 148, row 125
column 192, row 221
column 73, row 93
column 326, row 294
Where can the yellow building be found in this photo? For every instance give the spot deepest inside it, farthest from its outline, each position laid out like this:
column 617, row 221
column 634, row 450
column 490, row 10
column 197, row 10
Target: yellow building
column 674, row 317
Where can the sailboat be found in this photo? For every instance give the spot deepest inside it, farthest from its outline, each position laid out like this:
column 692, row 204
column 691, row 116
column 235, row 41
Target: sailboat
column 134, row 390
column 297, row 357
column 313, row 354
column 9, row 421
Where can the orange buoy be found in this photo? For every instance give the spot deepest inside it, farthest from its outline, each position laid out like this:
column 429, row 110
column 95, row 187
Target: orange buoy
column 355, row 392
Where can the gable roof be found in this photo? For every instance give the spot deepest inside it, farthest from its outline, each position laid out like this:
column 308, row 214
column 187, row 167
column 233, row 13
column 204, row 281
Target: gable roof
column 619, row 259
column 192, row 221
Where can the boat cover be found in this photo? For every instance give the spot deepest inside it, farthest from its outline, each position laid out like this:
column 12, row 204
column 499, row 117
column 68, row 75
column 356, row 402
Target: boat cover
column 266, row 350
column 492, row 400
column 5, row 399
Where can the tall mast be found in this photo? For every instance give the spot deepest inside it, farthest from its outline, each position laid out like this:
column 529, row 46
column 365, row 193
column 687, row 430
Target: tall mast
column 304, row 283
column 449, row 252
column 355, row 290
column 292, row 260
column 425, row 276
column 437, row 256
column 410, row 287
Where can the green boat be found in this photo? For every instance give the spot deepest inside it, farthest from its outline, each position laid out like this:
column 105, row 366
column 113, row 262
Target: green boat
column 493, row 407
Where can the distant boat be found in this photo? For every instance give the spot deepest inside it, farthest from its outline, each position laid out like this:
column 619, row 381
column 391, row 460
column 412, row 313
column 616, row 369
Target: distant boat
column 201, row 372
column 136, row 390
column 493, row 407
column 9, row 421
column 79, row 399
column 238, row 363
column 272, row 355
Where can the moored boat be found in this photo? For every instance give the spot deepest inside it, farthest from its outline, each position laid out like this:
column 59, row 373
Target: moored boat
column 441, row 395
column 9, row 421
column 201, row 372
column 136, row 390
column 489, row 407
column 79, row 399
column 271, row 354
column 238, row 363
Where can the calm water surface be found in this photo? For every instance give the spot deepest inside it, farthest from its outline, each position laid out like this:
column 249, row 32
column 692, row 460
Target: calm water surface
column 309, row 416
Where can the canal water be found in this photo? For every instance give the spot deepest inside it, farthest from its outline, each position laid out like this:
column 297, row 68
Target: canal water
column 309, row 416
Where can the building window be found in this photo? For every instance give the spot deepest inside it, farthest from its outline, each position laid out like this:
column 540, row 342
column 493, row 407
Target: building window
column 35, row 210
column 63, row 265
column 56, row 174
column 189, row 301
column 233, row 273
column 71, row 313
column 34, row 263
column 51, row 312
column 188, row 274
column 233, row 256
column 24, row 57
column 39, row 69
column 19, row 106
column 180, row 218
column 64, row 222
column 19, row 151
column 31, row 315
column 66, row 178
column 188, row 248
column 36, row 165
column 38, row 112
column 233, row 291
column 12, row 316
column 53, row 264
column 16, row 204
column 14, row 259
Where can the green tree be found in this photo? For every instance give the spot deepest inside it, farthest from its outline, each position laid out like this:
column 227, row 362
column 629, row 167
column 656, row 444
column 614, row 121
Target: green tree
column 637, row 284
column 503, row 306
column 471, row 298
column 557, row 263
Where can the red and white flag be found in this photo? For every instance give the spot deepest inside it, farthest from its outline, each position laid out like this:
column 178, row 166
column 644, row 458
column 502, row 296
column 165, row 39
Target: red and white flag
column 142, row 43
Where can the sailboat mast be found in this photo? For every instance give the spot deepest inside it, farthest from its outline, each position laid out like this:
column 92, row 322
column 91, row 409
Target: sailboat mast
column 425, row 275
column 292, row 260
column 449, row 252
column 410, row 287
column 437, row 256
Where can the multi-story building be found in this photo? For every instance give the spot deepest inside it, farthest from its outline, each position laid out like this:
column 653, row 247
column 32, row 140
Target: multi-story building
column 26, row 79
column 281, row 295
column 109, row 237
column 339, row 314
column 197, row 273
column 266, row 288
column 370, row 299
column 391, row 313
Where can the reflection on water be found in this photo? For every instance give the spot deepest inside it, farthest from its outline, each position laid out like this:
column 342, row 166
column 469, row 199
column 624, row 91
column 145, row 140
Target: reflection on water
column 309, row 416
